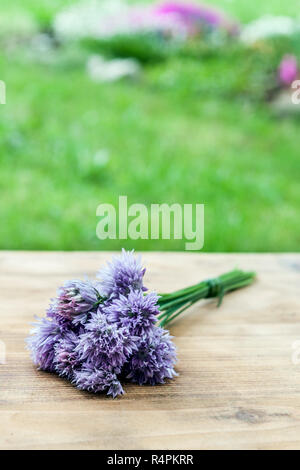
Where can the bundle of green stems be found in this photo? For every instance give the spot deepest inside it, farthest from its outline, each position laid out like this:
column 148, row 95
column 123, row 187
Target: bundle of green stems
column 172, row 305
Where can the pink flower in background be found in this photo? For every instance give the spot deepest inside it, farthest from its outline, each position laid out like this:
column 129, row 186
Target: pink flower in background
column 288, row 70
column 191, row 12
column 195, row 15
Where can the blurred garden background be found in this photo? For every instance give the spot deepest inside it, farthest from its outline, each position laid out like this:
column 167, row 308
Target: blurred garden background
column 197, row 109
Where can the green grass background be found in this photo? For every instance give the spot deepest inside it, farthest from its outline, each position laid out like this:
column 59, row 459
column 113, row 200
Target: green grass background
column 170, row 137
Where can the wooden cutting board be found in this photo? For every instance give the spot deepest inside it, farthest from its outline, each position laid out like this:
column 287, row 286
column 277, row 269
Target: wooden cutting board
column 239, row 382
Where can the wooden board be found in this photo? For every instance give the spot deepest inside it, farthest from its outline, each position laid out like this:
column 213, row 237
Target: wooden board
column 238, row 386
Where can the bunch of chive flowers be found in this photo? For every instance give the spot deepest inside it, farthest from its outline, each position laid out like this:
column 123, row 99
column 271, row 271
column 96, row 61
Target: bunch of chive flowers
column 100, row 334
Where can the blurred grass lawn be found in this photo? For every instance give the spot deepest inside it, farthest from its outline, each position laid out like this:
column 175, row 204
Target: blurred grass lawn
column 164, row 145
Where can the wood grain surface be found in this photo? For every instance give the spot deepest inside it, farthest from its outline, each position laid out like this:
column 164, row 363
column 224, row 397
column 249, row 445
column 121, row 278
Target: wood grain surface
column 238, row 386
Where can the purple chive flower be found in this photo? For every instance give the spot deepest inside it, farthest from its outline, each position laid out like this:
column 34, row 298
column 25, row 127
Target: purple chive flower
column 66, row 359
column 137, row 312
column 105, row 345
column 123, row 274
column 92, row 338
column 288, row 70
column 74, row 298
column 98, row 380
column 155, row 359
column 46, row 334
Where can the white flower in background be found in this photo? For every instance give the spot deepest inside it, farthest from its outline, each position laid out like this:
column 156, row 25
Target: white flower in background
column 269, row 26
column 105, row 19
column 101, row 158
column 42, row 43
column 89, row 19
column 101, row 70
